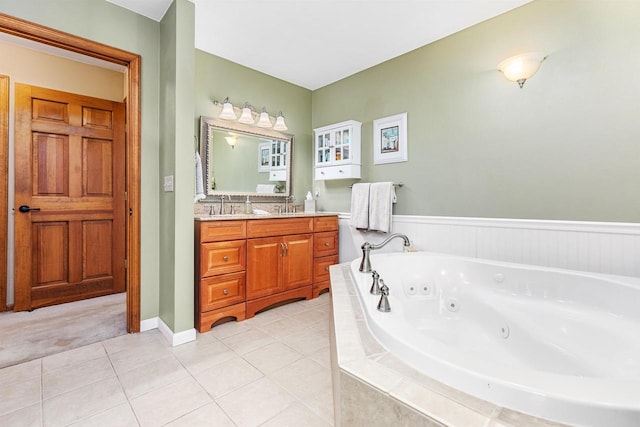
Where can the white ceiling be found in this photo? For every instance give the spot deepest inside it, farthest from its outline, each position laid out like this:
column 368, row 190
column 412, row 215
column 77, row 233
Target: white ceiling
column 313, row 43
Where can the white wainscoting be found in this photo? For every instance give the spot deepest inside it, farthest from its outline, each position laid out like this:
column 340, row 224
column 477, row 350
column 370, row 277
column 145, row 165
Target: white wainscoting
column 609, row 248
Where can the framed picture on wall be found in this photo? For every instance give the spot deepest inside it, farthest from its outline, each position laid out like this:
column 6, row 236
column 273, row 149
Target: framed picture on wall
column 390, row 139
column 264, row 156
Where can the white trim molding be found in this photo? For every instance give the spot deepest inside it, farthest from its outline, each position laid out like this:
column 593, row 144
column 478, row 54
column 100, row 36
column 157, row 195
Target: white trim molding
column 148, row 324
column 599, row 247
column 176, row 338
column 173, row 338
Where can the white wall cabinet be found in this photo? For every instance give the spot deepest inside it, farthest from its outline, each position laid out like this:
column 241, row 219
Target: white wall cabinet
column 278, row 161
column 337, row 151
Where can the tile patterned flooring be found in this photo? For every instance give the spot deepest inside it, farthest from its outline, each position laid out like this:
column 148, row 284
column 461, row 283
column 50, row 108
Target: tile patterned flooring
column 272, row 370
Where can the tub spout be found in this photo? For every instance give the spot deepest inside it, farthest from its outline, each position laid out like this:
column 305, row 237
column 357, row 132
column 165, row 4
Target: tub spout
column 383, row 304
column 365, row 264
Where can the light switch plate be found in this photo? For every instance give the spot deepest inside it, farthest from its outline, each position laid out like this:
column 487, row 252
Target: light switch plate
column 168, row 183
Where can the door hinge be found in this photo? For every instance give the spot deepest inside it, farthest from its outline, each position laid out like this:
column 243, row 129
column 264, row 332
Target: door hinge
column 125, row 264
column 126, row 196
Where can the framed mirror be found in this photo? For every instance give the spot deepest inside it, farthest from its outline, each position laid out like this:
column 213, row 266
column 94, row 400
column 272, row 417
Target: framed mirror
column 241, row 160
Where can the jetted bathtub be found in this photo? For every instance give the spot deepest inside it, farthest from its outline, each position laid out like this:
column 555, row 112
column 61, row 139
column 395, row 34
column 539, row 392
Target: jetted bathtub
column 556, row 344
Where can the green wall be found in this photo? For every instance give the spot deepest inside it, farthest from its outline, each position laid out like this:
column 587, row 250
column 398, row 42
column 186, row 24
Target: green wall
column 217, row 78
column 177, row 159
column 104, row 22
column 565, row 147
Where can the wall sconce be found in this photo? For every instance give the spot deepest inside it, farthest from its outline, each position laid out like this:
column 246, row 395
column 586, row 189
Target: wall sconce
column 231, row 140
column 247, row 116
column 519, row 68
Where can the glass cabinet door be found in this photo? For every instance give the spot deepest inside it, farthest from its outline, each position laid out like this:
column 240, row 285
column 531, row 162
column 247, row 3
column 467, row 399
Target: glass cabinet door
column 323, row 149
column 342, row 146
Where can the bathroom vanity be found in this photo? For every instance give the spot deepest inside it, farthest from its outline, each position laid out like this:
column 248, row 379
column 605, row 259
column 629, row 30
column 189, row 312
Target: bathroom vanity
column 245, row 264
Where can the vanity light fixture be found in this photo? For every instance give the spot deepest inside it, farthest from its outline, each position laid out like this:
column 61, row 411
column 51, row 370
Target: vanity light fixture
column 264, row 121
column 521, row 67
column 247, row 115
column 227, row 112
column 280, row 124
column 231, row 140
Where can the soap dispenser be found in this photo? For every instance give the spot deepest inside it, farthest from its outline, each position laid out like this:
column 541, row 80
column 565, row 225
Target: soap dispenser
column 248, row 209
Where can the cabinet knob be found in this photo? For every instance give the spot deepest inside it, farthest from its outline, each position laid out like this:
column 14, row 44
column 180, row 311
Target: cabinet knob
column 326, row 268
column 321, row 172
column 340, row 170
column 225, row 258
column 226, row 292
column 327, row 244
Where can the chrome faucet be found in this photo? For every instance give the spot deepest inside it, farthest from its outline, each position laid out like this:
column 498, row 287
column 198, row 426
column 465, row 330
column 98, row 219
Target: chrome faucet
column 365, row 264
column 383, row 304
column 222, row 202
column 286, row 203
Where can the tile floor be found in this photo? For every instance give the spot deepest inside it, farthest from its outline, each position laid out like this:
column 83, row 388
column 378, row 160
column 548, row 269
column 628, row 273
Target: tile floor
column 272, row 370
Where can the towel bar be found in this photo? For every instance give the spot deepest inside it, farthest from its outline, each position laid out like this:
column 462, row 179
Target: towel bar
column 395, row 185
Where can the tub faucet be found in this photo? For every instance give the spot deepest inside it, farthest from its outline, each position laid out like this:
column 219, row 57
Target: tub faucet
column 365, row 264
column 375, row 287
column 383, row 304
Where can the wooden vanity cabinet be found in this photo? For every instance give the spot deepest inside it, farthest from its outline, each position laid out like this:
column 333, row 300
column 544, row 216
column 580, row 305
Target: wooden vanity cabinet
column 325, row 252
column 280, row 267
column 245, row 266
column 221, row 261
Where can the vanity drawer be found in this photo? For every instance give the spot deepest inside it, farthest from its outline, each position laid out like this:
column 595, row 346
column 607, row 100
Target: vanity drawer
column 321, row 268
column 222, row 291
column 222, row 257
column 325, row 243
column 217, row 231
column 278, row 227
column 325, row 223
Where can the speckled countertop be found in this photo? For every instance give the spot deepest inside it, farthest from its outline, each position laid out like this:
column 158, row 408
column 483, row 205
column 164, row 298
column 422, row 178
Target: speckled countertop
column 230, row 217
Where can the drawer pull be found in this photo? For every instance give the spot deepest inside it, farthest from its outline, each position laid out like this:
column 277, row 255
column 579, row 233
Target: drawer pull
column 226, row 292
column 225, row 258
column 327, row 244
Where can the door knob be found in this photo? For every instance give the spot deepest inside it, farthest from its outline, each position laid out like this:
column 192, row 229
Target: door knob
column 27, row 208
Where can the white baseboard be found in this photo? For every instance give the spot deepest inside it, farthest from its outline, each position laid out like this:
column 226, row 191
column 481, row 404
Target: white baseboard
column 174, row 339
column 178, row 338
column 148, row 324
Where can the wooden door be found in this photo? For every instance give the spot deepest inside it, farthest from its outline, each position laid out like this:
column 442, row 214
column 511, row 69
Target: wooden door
column 69, row 197
column 4, row 196
column 264, row 257
column 297, row 264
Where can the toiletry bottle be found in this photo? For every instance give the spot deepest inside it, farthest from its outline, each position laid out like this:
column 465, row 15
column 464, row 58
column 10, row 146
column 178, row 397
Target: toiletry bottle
column 248, row 209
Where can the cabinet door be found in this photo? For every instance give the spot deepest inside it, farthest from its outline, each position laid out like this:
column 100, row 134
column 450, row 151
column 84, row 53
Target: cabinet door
column 323, row 149
column 264, row 257
column 297, row 265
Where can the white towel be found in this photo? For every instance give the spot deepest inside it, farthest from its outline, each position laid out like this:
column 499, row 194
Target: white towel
column 199, row 181
column 381, row 198
column 360, row 206
column 265, row 188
